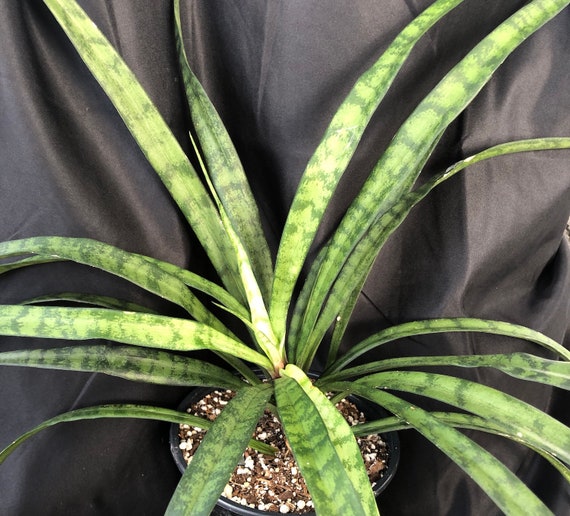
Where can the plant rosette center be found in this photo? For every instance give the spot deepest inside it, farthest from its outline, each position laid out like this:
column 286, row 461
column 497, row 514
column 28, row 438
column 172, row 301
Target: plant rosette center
column 274, row 483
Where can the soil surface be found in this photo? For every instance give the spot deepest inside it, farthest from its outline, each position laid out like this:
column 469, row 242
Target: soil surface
column 274, row 483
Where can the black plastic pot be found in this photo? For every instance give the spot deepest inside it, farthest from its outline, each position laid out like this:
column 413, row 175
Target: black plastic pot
column 228, row 507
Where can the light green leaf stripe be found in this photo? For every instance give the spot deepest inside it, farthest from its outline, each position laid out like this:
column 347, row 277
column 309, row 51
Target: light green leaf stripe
column 448, row 325
column 122, row 411
column 225, row 169
column 515, row 416
column 510, row 494
column 324, row 447
column 331, row 157
column 218, row 454
column 147, row 330
column 518, row 365
column 129, row 362
column 151, row 133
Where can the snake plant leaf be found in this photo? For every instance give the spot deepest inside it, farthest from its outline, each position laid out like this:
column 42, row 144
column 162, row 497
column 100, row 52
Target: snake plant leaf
column 468, row 421
column 151, row 133
column 132, row 267
column 261, row 324
column 503, row 410
column 225, row 169
column 155, row 275
column 197, row 282
column 457, row 420
column 145, row 330
column 219, row 452
column 145, row 271
column 454, row 419
column 162, row 278
column 448, row 325
column 324, row 447
column 508, row 492
column 190, row 279
column 225, row 301
column 309, row 304
column 518, row 365
column 129, row 362
column 130, row 411
column 356, row 268
column 89, row 299
column 333, row 154
column 401, row 163
column 19, row 263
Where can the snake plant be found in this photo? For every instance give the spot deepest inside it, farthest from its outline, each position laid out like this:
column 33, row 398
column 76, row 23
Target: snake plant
column 287, row 320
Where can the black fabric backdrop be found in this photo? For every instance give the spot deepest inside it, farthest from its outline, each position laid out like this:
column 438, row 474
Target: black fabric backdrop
column 489, row 243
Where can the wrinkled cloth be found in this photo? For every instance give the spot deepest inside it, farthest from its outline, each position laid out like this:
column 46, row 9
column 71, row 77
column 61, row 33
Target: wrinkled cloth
column 488, row 243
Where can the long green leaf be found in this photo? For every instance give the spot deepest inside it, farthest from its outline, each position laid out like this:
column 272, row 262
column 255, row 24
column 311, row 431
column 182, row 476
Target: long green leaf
column 152, row 134
column 147, row 330
column 449, row 325
column 197, row 282
column 132, row 363
column 324, row 447
column 21, row 262
column 122, row 411
column 261, row 323
column 132, row 267
column 357, row 267
column 225, row 169
column 401, row 163
column 352, row 258
column 511, row 495
column 157, row 276
column 227, row 301
column 219, row 452
column 333, row 154
column 518, row 365
column 304, row 338
column 457, row 420
column 515, row 416
column 189, row 278
column 89, row 299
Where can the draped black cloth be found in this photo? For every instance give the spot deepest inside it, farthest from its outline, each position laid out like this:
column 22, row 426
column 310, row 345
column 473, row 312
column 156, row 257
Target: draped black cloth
column 489, row 243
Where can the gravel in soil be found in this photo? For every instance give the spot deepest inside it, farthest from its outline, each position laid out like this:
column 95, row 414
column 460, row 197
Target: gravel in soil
column 274, row 483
